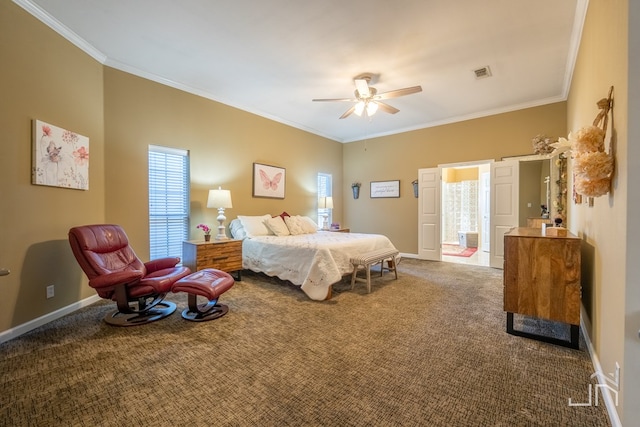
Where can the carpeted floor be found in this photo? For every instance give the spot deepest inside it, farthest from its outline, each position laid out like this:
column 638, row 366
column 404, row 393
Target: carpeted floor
column 428, row 349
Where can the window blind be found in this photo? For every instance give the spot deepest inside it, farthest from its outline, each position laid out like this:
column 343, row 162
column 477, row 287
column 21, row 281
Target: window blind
column 324, row 190
column 168, row 201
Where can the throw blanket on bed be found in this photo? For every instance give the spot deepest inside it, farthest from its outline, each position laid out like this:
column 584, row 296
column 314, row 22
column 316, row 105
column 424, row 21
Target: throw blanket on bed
column 312, row 261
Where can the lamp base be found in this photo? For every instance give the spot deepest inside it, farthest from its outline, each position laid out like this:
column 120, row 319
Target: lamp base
column 221, row 234
column 325, row 222
column 221, row 219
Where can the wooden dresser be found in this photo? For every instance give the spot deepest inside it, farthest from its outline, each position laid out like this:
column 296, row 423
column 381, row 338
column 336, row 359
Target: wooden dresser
column 537, row 222
column 542, row 279
column 225, row 255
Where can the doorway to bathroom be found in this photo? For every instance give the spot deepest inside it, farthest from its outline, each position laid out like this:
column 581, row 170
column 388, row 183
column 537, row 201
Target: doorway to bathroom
column 465, row 202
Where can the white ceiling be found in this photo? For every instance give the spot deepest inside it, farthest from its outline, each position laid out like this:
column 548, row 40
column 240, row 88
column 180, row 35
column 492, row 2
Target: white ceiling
column 272, row 57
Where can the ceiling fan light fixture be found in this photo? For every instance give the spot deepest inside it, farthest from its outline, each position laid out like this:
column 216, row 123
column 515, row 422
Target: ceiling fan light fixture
column 368, row 101
column 372, row 107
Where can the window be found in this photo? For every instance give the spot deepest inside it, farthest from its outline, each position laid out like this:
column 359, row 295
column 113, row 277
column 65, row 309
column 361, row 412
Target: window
column 168, row 201
column 324, row 190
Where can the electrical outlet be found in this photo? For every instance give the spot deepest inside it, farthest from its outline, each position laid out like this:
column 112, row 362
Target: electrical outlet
column 50, row 291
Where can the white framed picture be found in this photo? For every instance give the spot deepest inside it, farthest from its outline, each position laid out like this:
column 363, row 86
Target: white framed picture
column 60, row 157
column 384, row 189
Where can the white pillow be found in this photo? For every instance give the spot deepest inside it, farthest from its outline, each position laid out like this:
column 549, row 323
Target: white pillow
column 254, row 225
column 294, row 224
column 308, row 225
column 277, row 226
column 236, row 229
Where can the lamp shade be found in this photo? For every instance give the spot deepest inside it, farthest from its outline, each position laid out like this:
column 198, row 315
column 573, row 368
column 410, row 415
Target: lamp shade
column 325, row 203
column 219, row 199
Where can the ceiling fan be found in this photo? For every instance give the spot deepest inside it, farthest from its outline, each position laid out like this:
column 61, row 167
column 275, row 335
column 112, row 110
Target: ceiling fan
column 368, row 100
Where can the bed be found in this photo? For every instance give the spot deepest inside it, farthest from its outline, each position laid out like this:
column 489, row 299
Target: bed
column 311, row 259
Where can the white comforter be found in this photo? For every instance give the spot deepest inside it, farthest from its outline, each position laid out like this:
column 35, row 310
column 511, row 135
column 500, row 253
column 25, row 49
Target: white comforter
column 312, row 261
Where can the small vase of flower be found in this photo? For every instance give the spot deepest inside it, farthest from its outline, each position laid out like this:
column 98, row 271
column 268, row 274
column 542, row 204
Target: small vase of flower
column 206, row 230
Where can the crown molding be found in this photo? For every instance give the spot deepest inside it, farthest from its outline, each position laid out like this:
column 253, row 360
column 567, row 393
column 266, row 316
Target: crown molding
column 40, row 14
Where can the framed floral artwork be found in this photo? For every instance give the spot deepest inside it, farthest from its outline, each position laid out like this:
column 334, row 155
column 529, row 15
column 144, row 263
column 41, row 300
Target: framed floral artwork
column 268, row 181
column 60, row 157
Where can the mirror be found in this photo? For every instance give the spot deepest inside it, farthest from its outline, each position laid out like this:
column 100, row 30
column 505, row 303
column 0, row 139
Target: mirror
column 542, row 183
column 534, row 192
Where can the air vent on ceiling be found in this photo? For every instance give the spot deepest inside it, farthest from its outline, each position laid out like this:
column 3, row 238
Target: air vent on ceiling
column 482, row 72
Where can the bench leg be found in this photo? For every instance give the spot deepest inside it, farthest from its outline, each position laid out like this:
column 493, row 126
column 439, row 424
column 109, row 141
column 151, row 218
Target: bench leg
column 353, row 276
column 368, row 267
column 393, row 266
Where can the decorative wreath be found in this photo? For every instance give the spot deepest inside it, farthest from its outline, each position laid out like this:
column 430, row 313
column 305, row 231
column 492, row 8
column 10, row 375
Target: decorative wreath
column 593, row 166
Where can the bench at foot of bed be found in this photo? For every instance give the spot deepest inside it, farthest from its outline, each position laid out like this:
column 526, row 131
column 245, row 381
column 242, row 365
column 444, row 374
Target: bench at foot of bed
column 366, row 260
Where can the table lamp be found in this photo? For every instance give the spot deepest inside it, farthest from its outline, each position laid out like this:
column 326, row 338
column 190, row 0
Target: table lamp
column 325, row 203
column 221, row 200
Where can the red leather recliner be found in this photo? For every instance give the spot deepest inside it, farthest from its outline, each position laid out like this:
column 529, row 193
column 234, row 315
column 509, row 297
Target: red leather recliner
column 116, row 273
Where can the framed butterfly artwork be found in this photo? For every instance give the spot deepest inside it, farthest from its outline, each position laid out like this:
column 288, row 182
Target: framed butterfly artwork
column 268, row 181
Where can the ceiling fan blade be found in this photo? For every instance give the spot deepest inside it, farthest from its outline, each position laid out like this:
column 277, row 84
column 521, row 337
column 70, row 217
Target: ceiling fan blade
column 399, row 92
column 348, row 112
column 363, row 88
column 335, row 99
column 386, row 107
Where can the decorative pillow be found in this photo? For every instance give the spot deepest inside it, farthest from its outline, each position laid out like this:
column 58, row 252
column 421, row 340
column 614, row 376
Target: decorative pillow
column 236, row 229
column 294, row 224
column 308, row 225
column 277, row 226
column 254, row 225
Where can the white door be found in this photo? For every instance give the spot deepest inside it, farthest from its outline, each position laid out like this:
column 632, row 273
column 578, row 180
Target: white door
column 485, row 210
column 429, row 181
column 504, row 207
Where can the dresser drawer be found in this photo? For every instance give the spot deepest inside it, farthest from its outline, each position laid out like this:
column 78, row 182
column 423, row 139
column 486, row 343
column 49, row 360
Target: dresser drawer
column 222, row 255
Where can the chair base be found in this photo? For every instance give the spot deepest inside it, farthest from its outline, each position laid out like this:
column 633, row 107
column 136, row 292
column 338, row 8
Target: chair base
column 200, row 313
column 159, row 311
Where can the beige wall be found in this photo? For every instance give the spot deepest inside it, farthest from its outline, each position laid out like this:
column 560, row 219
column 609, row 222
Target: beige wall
column 43, row 77
column 223, row 143
column 459, row 174
column 603, row 62
column 400, row 157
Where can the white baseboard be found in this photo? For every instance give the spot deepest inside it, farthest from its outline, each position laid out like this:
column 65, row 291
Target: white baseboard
column 404, row 255
column 26, row 327
column 608, row 399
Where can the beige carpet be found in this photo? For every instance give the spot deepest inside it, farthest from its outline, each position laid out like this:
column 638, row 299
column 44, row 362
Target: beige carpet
column 428, row 349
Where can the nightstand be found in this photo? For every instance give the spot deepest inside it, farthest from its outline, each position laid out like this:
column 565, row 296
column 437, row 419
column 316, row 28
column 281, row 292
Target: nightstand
column 225, row 255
